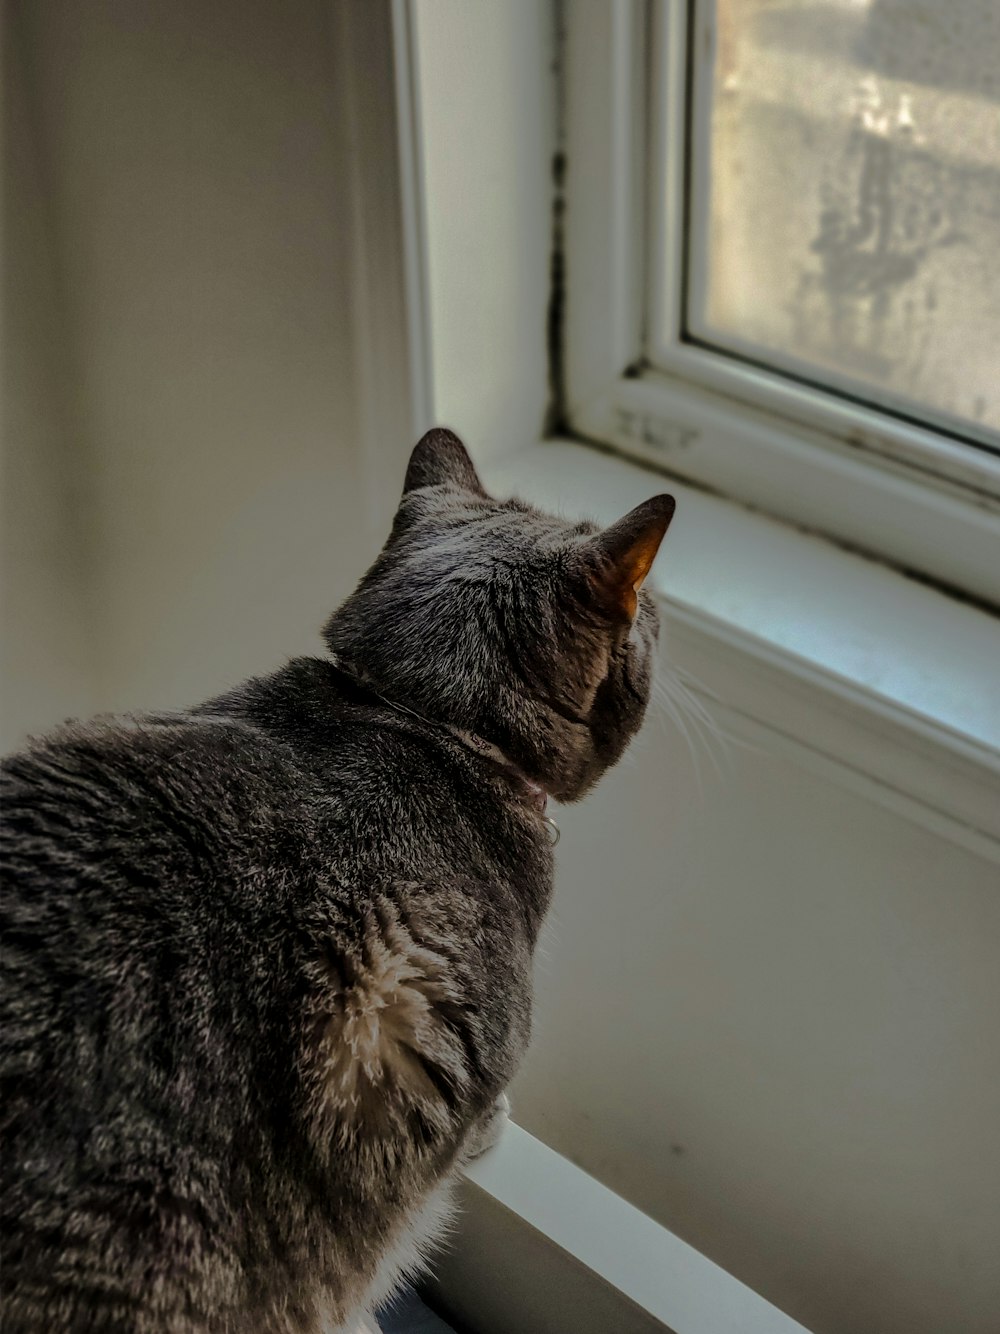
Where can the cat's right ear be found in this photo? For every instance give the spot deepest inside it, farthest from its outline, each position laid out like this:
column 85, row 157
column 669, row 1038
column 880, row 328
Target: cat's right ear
column 621, row 556
column 440, row 459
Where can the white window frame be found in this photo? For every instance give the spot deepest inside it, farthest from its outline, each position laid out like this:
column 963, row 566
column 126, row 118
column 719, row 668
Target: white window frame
column 843, row 661
column 905, row 494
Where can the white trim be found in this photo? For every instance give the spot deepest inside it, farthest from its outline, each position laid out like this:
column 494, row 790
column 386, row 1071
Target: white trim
column 487, row 109
column 413, row 214
column 576, row 1257
column 864, row 741
column 384, row 190
column 692, row 138
column 666, row 76
column 948, row 464
column 802, row 476
column 604, row 190
column 887, row 685
column 911, row 496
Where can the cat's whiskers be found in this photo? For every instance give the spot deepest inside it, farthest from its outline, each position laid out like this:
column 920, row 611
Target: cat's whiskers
column 728, row 739
column 695, row 722
column 669, row 716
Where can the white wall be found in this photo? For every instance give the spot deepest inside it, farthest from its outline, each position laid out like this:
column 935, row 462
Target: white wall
column 47, row 667
column 487, row 119
column 196, row 157
column 767, row 1016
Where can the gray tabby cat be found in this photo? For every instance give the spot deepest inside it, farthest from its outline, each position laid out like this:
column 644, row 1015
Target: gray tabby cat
column 267, row 962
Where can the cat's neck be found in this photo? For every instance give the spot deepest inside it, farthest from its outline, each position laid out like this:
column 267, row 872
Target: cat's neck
column 530, row 792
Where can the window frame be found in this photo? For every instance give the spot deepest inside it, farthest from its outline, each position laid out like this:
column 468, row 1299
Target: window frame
column 903, row 493
column 942, row 444
column 844, row 662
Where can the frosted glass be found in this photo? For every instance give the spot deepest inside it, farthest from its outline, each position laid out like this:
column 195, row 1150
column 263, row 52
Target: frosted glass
column 846, row 214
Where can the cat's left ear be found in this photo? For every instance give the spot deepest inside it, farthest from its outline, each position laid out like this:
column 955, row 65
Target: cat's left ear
column 622, row 555
column 439, row 458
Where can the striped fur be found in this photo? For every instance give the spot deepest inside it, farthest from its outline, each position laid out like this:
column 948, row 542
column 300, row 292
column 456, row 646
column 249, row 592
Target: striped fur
column 267, row 962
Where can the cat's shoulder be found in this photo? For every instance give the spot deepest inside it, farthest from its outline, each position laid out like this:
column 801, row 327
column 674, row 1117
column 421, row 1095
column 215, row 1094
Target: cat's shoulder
column 134, row 757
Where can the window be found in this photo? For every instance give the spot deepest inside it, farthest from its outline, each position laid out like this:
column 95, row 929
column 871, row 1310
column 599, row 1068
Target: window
column 845, row 204
column 794, row 295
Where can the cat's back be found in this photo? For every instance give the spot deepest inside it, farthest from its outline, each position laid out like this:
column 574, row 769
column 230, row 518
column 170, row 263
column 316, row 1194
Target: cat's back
column 199, row 914
column 122, row 840
column 152, row 779
column 147, row 867
column 125, row 845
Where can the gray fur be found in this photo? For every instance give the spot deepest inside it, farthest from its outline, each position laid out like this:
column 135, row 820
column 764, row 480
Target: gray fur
column 267, row 962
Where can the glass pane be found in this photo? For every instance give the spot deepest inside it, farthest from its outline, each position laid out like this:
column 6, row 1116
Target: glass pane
column 846, row 207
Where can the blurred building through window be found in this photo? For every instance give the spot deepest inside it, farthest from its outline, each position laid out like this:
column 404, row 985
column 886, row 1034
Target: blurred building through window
column 844, row 224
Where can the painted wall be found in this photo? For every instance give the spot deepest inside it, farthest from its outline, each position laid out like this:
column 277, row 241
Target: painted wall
column 766, row 1014
column 195, row 158
column 46, row 660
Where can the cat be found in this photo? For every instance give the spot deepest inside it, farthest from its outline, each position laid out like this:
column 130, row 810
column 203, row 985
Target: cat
column 267, row 961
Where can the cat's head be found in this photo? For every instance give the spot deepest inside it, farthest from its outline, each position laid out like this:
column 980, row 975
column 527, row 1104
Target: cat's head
column 526, row 629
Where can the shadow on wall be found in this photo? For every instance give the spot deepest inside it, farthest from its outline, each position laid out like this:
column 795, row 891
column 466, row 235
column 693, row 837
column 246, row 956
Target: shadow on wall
column 182, row 499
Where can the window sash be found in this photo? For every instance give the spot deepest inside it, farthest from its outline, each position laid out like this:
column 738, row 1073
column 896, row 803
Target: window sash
column 682, row 49
column 897, row 489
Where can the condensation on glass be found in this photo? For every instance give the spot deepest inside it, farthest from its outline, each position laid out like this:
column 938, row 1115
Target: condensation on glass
column 846, row 206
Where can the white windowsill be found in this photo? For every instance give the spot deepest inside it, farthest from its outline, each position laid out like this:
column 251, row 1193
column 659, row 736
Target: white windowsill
column 845, row 660
column 544, row 1248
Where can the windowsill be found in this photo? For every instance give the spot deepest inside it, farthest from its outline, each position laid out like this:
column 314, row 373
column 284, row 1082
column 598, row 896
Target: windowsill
column 543, row 1246
column 840, row 656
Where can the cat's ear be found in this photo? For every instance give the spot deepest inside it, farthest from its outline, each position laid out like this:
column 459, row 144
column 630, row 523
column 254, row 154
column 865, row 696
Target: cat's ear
column 440, row 458
column 621, row 556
